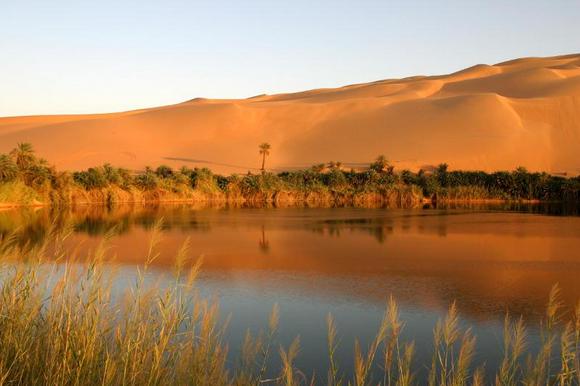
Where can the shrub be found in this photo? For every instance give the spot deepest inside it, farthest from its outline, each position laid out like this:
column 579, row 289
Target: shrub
column 181, row 179
column 204, row 180
column 408, row 178
column 164, row 171
column 336, row 180
column 147, row 180
column 222, row 182
column 126, row 178
column 36, row 175
column 62, row 180
column 304, row 180
column 249, row 184
column 186, row 171
column 111, row 174
column 201, row 176
column 93, row 178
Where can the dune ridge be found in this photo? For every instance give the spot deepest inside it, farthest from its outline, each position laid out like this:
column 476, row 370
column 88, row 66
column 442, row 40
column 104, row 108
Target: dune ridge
column 524, row 112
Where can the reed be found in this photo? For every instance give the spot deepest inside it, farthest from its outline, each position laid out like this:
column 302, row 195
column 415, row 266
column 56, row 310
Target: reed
column 61, row 323
column 334, row 378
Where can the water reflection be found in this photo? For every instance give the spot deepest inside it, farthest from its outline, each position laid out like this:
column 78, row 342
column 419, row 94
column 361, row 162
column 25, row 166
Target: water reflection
column 544, row 208
column 346, row 261
column 488, row 260
column 264, row 243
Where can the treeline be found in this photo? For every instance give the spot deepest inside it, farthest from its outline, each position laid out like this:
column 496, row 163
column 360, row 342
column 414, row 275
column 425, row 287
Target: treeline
column 440, row 183
column 331, row 180
column 515, row 185
column 22, row 164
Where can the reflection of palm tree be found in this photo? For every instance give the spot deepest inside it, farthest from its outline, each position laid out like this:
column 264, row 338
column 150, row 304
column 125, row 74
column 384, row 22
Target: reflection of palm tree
column 334, row 230
column 264, row 244
column 379, row 234
column 264, row 151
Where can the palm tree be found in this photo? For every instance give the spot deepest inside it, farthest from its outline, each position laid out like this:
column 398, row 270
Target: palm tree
column 380, row 164
column 264, row 151
column 8, row 169
column 23, row 155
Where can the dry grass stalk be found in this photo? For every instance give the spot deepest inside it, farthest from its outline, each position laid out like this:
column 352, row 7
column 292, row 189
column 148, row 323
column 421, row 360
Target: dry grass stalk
column 60, row 324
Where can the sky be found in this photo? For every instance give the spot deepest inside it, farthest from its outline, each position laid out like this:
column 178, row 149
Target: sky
column 77, row 56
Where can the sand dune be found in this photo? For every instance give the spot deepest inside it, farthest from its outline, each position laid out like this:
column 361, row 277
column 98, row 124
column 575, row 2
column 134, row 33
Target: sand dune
column 522, row 112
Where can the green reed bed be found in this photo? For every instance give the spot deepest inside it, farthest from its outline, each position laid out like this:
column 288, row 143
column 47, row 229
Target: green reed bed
column 60, row 324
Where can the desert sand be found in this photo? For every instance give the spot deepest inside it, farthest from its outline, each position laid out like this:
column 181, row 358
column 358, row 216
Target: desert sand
column 524, row 112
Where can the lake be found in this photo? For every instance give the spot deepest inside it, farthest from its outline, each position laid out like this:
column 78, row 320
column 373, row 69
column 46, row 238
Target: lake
column 345, row 261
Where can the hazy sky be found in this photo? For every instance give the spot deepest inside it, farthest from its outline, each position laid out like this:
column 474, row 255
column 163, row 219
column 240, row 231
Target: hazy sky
column 77, row 56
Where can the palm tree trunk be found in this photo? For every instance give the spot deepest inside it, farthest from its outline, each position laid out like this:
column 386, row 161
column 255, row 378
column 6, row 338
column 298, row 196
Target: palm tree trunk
column 263, row 162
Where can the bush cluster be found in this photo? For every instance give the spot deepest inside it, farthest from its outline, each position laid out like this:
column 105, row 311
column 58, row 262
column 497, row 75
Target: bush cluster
column 440, row 183
column 22, row 164
column 103, row 176
column 515, row 185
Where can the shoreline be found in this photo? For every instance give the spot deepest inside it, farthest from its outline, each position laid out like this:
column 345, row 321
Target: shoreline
column 29, row 181
column 284, row 202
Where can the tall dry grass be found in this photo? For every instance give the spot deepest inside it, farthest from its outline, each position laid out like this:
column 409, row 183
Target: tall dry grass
column 62, row 324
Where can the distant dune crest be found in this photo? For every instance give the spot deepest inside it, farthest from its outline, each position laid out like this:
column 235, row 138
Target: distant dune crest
column 524, row 112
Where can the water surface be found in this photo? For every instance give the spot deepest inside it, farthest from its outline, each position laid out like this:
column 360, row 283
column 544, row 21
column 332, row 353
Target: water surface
column 346, row 261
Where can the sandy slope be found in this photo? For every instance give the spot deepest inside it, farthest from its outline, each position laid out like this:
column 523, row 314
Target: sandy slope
column 522, row 112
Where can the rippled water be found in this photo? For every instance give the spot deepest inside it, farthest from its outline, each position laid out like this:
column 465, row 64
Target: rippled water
column 346, row 261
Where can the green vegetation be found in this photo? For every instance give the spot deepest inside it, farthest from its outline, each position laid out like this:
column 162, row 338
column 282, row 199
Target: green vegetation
column 516, row 185
column 61, row 324
column 18, row 192
column 25, row 179
column 379, row 183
